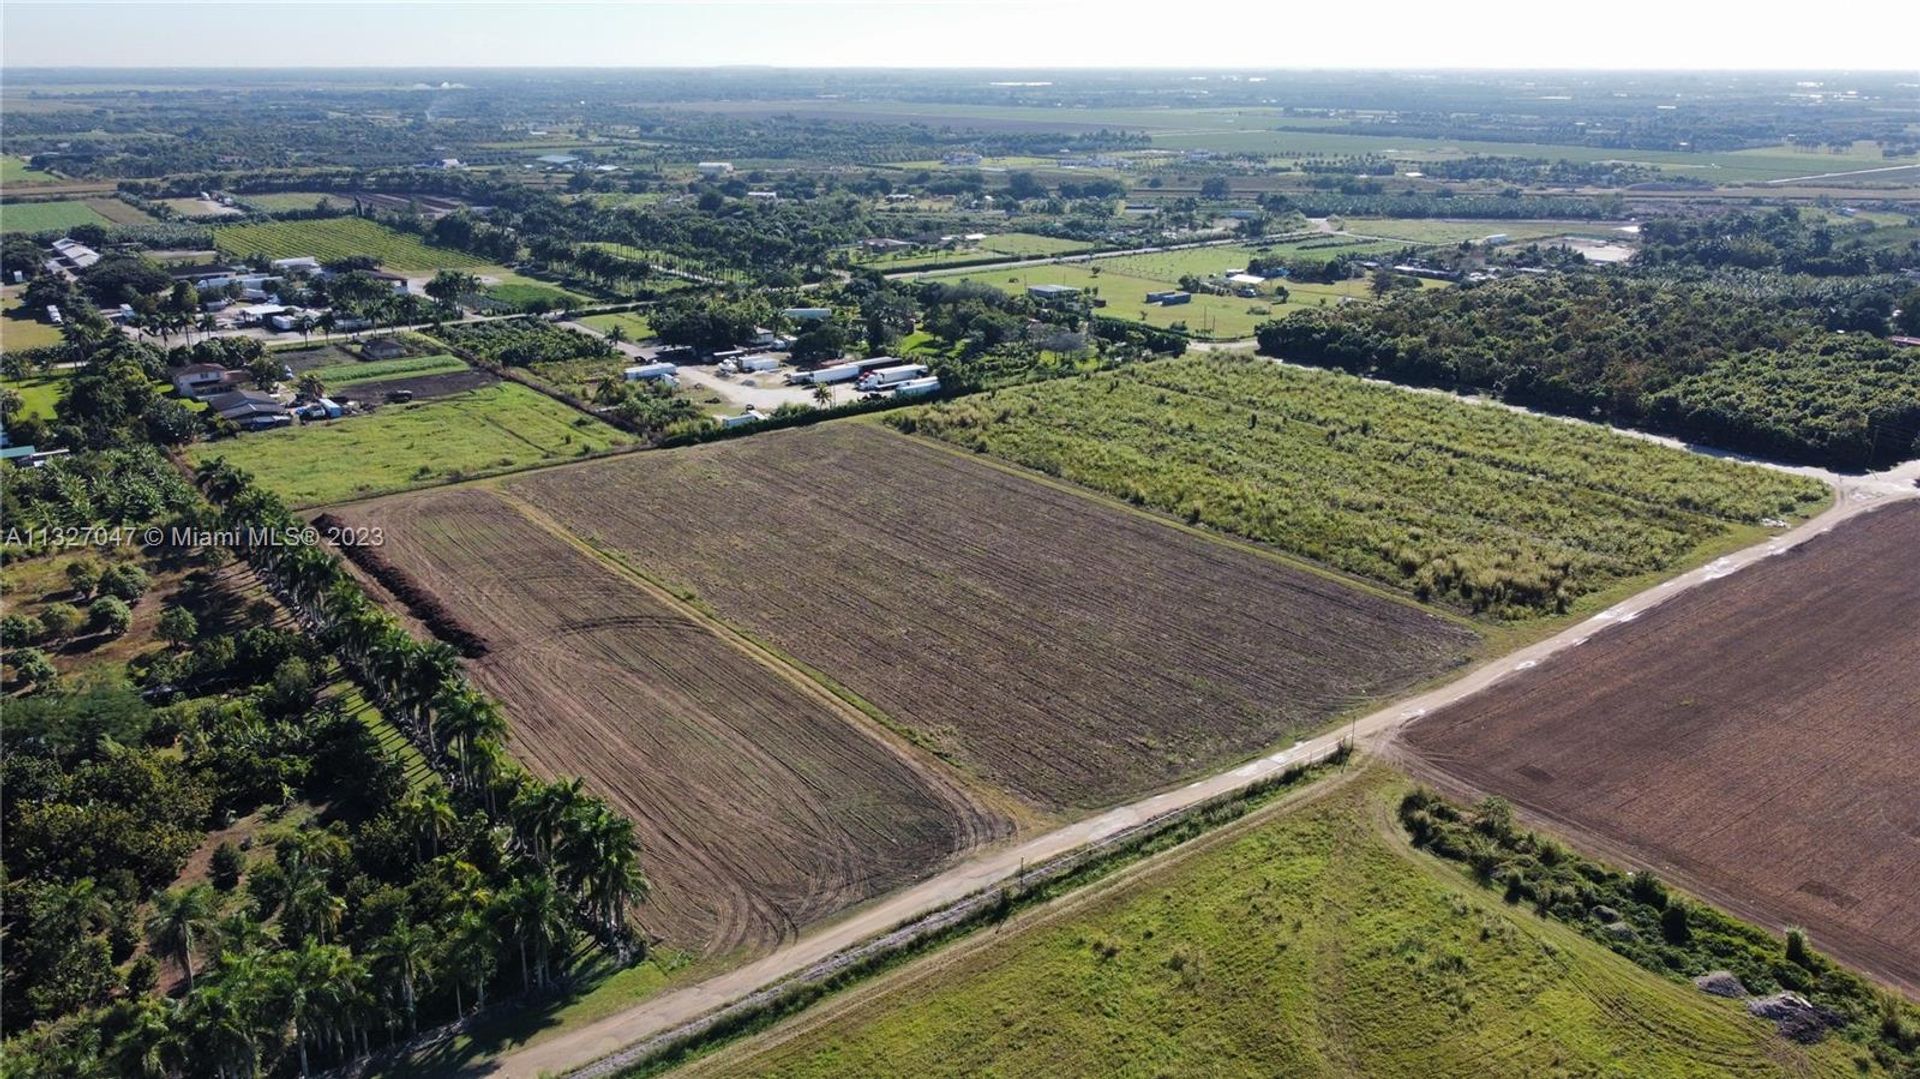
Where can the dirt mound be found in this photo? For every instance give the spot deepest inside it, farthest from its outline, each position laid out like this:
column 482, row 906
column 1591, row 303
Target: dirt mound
column 421, row 603
column 1721, row 983
column 1794, row 1016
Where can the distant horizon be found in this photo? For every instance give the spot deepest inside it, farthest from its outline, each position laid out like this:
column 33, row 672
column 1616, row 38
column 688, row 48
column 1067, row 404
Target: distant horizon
column 1118, row 69
column 1651, row 36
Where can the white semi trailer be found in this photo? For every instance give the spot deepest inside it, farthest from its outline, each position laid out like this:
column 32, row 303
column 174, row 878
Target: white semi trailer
column 917, row 386
column 839, row 372
column 888, row 377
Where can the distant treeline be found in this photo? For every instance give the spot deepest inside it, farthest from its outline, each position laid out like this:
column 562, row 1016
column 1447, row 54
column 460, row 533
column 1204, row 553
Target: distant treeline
column 1698, row 363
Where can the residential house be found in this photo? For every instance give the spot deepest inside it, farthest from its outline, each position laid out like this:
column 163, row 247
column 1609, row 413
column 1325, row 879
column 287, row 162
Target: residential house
column 197, row 379
column 250, row 410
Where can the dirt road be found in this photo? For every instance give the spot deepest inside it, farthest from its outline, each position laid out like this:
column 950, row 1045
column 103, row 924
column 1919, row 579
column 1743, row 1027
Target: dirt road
column 670, row 1009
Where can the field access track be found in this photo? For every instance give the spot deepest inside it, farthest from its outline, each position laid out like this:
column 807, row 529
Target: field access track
column 1065, row 648
column 761, row 804
column 1756, row 739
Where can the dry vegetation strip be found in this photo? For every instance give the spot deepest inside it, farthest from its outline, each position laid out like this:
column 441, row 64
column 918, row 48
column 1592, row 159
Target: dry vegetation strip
column 1759, row 737
column 761, row 806
column 1068, row 649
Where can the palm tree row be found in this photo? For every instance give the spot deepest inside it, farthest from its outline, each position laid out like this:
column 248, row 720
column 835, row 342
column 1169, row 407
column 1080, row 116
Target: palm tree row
column 589, row 849
column 318, row 999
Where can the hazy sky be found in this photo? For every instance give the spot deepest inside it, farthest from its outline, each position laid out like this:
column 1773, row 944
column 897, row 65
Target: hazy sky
column 1856, row 34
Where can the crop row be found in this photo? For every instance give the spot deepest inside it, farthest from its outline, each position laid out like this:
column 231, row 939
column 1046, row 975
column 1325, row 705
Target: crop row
column 1477, row 506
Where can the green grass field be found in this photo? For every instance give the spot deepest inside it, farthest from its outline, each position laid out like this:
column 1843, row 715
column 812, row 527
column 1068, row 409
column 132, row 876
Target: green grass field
column 521, row 290
column 1507, row 514
column 340, row 237
column 1030, row 243
column 15, row 170
column 37, row 393
column 281, row 201
column 48, row 216
column 498, row 429
column 1009, row 245
column 198, row 208
column 120, row 213
column 1125, row 281
column 633, row 322
column 381, row 370
column 20, row 328
column 1310, row 940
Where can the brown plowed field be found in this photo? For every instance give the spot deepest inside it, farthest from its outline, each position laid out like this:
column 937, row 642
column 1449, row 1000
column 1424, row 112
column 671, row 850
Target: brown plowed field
column 761, row 804
column 1065, row 648
column 1757, row 738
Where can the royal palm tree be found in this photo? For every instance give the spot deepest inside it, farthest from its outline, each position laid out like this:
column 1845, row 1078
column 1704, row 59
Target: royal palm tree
column 465, row 716
column 599, row 859
column 311, row 910
column 533, row 913
column 313, row 989
column 542, row 808
column 241, row 930
column 405, row 954
column 491, row 767
column 429, row 668
column 233, row 1015
column 471, row 953
column 183, row 919
column 428, row 814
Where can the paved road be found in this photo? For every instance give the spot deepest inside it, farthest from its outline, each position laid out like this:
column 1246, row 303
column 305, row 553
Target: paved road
column 671, row 1009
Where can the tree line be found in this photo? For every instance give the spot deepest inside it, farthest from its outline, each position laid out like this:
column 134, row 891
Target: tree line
column 1694, row 362
column 1635, row 915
